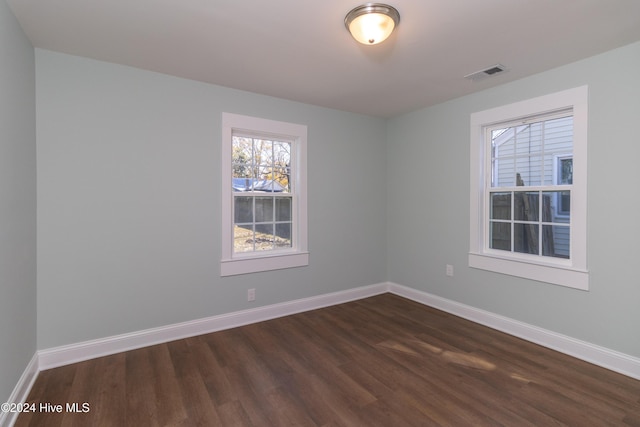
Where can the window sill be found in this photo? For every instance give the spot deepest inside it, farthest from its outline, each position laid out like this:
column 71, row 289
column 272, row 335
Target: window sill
column 232, row 267
column 556, row 275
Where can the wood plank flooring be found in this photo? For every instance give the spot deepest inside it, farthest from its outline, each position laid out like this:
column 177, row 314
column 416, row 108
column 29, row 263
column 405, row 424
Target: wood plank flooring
column 381, row 361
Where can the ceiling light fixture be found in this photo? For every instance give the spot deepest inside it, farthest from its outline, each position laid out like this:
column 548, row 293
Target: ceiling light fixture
column 372, row 23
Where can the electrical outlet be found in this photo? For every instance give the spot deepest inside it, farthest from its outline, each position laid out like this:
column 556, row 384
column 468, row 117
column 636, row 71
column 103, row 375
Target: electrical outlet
column 251, row 294
column 449, row 270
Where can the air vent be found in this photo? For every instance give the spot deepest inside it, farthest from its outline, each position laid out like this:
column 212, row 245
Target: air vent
column 487, row 72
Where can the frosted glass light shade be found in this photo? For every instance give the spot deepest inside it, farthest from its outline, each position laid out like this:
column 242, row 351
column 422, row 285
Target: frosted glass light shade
column 372, row 23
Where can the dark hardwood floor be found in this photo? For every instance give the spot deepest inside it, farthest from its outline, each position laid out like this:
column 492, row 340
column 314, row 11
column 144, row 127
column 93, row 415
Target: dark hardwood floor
column 381, row 361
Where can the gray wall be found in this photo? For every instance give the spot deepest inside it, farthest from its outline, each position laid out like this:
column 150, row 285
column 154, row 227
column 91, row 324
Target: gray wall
column 129, row 211
column 428, row 223
column 17, row 203
column 129, row 200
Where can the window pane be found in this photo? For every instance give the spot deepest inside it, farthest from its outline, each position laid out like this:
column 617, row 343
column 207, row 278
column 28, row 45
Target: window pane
column 264, row 237
column 503, row 144
column 500, row 206
column 266, row 185
column 530, row 170
column 525, row 238
column 243, row 238
column 564, row 205
column 282, row 164
column 555, row 241
column 556, row 206
column 283, row 209
column 242, row 157
column 264, row 209
column 558, row 135
column 526, row 206
column 565, row 171
column 530, row 150
column 264, row 152
column 500, row 236
column 283, row 235
column 242, row 149
column 242, row 170
column 528, row 139
column 243, row 210
column 549, row 178
column 502, row 158
column 504, row 173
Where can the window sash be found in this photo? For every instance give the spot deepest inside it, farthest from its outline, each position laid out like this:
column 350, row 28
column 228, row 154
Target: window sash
column 541, row 241
column 550, row 231
column 274, row 222
column 546, row 137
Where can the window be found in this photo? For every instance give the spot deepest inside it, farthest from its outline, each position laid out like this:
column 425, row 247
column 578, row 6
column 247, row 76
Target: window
column 264, row 225
column 528, row 213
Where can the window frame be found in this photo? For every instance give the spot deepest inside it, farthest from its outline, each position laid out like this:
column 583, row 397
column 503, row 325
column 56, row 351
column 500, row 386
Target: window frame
column 570, row 272
column 256, row 261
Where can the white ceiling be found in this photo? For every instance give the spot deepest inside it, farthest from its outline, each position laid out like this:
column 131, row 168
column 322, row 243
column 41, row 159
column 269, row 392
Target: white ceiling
column 300, row 50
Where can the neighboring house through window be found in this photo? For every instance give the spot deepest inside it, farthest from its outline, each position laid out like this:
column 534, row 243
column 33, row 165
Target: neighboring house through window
column 528, row 211
column 264, row 224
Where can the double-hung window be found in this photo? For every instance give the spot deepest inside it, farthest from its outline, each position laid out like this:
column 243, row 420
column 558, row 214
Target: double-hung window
column 264, row 225
column 528, row 189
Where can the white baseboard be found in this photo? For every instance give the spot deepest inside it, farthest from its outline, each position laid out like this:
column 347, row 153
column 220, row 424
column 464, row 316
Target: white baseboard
column 64, row 355
column 610, row 359
column 601, row 356
column 21, row 391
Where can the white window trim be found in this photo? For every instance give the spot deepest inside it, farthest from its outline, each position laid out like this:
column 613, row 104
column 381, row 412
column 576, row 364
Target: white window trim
column 571, row 273
column 297, row 255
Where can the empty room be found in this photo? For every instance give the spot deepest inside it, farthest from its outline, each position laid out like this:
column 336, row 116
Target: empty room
column 246, row 213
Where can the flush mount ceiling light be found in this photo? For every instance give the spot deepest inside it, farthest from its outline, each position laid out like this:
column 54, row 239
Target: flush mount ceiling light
column 372, row 23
